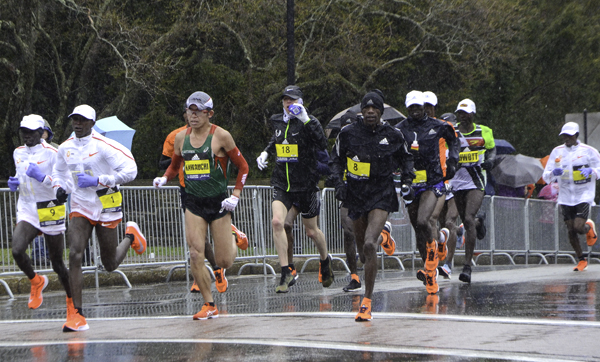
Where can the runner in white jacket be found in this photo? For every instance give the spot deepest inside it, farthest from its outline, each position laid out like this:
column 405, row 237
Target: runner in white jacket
column 576, row 167
column 37, row 209
column 90, row 168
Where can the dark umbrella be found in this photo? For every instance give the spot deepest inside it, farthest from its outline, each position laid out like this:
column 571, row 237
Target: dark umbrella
column 390, row 114
column 517, row 170
column 503, row 147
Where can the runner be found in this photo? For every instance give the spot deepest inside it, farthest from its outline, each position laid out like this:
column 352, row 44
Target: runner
column 37, row 209
column 91, row 167
column 477, row 154
column 423, row 133
column 368, row 152
column 296, row 140
column 205, row 149
column 165, row 160
column 576, row 167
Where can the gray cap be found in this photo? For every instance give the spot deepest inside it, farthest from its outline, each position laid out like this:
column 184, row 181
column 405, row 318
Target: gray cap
column 200, row 100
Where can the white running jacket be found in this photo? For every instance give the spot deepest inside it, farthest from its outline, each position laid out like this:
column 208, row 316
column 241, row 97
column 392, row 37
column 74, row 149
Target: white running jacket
column 573, row 188
column 30, row 190
column 98, row 156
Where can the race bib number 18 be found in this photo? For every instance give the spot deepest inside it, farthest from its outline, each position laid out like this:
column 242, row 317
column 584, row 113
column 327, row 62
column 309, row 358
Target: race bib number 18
column 287, row 152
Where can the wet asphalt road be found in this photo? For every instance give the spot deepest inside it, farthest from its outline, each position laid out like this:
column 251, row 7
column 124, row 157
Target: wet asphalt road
column 535, row 313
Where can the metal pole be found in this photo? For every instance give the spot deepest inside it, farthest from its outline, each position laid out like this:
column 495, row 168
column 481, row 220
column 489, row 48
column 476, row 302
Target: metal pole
column 291, row 63
column 585, row 133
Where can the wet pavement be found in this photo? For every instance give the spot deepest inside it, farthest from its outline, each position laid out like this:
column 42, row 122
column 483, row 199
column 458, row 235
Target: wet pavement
column 535, row 313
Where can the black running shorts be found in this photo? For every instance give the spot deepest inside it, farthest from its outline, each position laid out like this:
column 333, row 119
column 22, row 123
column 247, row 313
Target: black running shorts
column 309, row 203
column 579, row 210
column 208, row 208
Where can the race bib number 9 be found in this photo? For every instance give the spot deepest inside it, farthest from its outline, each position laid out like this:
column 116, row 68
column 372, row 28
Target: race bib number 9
column 51, row 213
column 111, row 199
column 420, row 177
column 358, row 170
column 468, row 157
column 287, row 152
column 197, row 170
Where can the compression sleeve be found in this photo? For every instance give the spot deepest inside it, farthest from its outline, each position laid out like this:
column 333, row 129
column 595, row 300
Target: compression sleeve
column 236, row 157
column 174, row 167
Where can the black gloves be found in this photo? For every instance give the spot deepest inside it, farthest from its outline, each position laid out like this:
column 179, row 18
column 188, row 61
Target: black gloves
column 450, row 169
column 330, row 181
column 61, row 195
column 340, row 191
column 487, row 165
column 408, row 194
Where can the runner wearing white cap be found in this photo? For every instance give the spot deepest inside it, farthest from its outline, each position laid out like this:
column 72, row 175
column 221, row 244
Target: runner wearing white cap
column 37, row 208
column 90, row 167
column 576, row 168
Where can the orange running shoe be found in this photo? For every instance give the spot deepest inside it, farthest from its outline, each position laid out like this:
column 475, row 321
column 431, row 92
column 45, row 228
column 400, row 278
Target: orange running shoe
column 139, row 241
column 207, row 312
column 220, row 280
column 195, row 288
column 431, row 284
column 581, row 266
column 364, row 312
column 388, row 244
column 443, row 244
column 76, row 323
column 431, row 258
column 241, row 240
column 38, row 284
column 591, row 237
column 70, row 308
column 294, row 274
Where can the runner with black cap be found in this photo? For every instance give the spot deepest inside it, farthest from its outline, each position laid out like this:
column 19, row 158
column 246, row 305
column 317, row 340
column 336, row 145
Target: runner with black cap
column 477, row 154
column 38, row 211
column 205, row 150
column 368, row 152
column 297, row 138
column 91, row 167
column 423, row 134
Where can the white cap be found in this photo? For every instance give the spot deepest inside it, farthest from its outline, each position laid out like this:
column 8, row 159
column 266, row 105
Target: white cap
column 85, row 111
column 466, row 105
column 414, row 97
column 569, row 128
column 32, row 122
column 430, row 98
column 201, row 100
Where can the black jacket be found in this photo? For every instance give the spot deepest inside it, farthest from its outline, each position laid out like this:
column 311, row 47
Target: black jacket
column 296, row 174
column 427, row 157
column 384, row 150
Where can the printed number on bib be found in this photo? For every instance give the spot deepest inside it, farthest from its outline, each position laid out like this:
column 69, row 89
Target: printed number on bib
column 468, row 157
column 578, row 178
column 420, row 177
column 111, row 199
column 358, row 170
column 197, row 170
column 51, row 213
column 287, row 152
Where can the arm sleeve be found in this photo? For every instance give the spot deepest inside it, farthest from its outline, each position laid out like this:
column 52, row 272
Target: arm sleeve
column 322, row 162
column 174, row 167
column 490, row 144
column 236, row 157
column 547, row 175
column 164, row 162
column 452, row 141
column 122, row 162
column 406, row 162
column 316, row 132
column 337, row 162
column 61, row 176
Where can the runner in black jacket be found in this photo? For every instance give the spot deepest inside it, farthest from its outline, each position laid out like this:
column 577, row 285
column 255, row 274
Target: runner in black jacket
column 369, row 151
column 296, row 140
column 422, row 134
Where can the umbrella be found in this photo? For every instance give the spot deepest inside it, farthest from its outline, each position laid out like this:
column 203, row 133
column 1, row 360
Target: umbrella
column 390, row 114
column 517, row 170
column 503, row 147
column 113, row 128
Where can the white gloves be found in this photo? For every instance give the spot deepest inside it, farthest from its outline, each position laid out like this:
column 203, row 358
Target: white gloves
column 160, row 182
column 299, row 111
column 262, row 160
column 230, row 203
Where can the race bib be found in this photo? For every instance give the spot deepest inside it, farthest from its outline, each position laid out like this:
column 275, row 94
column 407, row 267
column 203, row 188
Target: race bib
column 111, row 199
column 287, row 152
column 358, row 170
column 197, row 170
column 578, row 178
column 420, row 177
column 51, row 213
column 468, row 157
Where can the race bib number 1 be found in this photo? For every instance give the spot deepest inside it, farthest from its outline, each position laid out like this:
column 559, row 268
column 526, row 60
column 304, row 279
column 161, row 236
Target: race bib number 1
column 111, row 199
column 51, row 213
column 358, row 170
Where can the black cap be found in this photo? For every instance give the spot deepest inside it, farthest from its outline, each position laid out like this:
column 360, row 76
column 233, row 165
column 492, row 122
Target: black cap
column 292, row 91
column 373, row 99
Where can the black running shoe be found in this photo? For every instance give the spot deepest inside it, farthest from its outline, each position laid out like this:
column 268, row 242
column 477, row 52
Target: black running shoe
column 326, row 272
column 422, row 276
column 465, row 276
column 480, row 228
column 352, row 286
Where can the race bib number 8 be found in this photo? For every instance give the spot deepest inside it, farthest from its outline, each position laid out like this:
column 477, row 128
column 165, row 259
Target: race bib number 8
column 197, row 170
column 51, row 213
column 287, row 152
column 468, row 157
column 111, row 199
column 358, row 170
